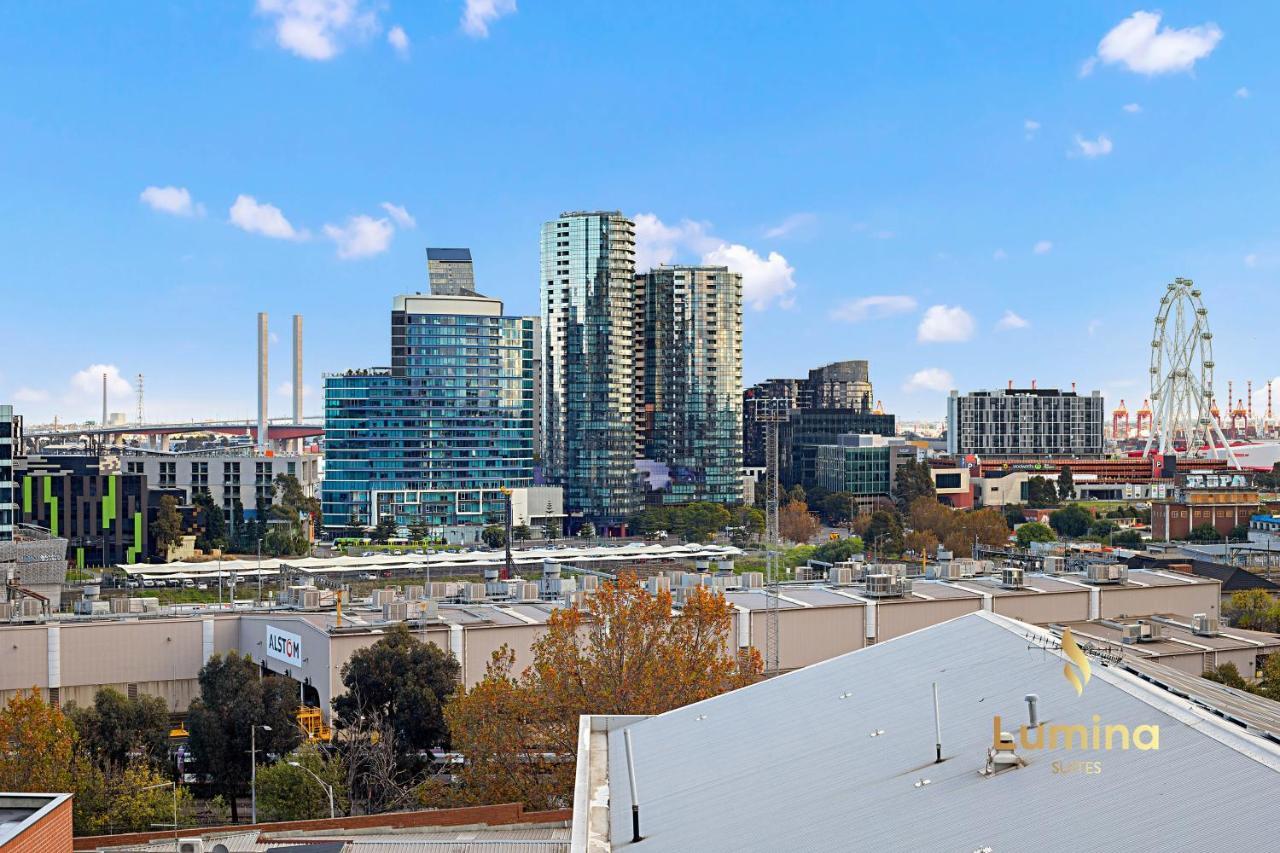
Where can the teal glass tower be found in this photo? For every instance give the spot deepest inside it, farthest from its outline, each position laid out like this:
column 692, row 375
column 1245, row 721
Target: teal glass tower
column 588, row 279
column 435, row 437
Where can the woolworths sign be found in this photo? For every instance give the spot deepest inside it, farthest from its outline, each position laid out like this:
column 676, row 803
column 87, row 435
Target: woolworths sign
column 284, row 646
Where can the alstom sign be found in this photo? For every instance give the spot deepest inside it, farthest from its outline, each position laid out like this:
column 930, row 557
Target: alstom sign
column 284, row 646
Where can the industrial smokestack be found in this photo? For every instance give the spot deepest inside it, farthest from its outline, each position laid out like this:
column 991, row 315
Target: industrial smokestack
column 262, row 381
column 297, row 368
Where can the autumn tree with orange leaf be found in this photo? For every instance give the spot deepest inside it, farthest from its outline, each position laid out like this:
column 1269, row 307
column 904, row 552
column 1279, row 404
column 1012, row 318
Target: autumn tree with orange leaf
column 624, row 651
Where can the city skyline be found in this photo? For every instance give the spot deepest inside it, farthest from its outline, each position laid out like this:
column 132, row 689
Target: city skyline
column 968, row 189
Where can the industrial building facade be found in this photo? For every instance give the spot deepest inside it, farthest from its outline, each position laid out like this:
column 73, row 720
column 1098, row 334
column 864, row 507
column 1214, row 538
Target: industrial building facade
column 1025, row 422
column 688, row 364
column 10, row 441
column 435, row 438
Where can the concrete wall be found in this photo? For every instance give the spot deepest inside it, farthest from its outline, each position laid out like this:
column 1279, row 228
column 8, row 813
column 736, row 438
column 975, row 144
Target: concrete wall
column 1042, row 608
column 1186, row 599
column 809, row 635
column 895, row 617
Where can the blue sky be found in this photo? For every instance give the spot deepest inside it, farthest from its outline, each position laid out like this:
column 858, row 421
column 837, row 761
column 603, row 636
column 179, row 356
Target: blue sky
column 891, row 179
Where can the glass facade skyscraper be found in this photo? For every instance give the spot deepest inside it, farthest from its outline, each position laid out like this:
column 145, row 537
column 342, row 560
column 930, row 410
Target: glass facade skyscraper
column 451, row 272
column 433, row 438
column 688, row 332
column 588, row 278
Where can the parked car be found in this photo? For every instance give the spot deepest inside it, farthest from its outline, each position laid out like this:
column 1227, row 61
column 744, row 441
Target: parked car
column 188, row 584
column 202, row 585
column 149, row 584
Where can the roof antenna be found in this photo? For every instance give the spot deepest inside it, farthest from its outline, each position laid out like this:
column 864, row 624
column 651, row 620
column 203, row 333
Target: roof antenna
column 635, row 800
column 937, row 725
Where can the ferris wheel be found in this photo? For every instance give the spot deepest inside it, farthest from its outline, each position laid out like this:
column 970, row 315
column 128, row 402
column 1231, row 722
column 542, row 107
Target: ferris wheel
column 1182, row 378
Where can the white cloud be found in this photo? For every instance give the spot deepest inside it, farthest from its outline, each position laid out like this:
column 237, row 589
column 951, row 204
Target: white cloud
column 400, row 215
column 319, row 29
column 873, row 307
column 1043, row 247
column 1094, row 326
column 399, row 39
column 1030, row 126
column 172, row 200
column 1141, row 46
column 361, row 237
column 1251, row 260
column 1010, row 320
column 32, row 395
column 999, row 255
column 1242, row 92
column 249, row 215
column 793, row 223
column 1132, row 108
column 764, row 280
column 930, row 379
column 89, row 381
column 1099, row 147
column 945, row 324
column 477, row 15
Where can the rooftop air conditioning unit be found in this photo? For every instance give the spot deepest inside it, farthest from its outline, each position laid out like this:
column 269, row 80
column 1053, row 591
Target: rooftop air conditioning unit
column 662, row 583
column 191, row 845
column 950, row 571
column 1054, row 564
column 1204, row 625
column 473, row 592
column 590, row 582
column 429, row 608
column 752, row 580
column 1131, row 634
column 887, row 586
column 1150, row 632
column 6, row 611
column 119, row 605
column 1011, row 578
column 310, row 599
column 395, row 611
column 413, row 592
column 1106, row 573
column 840, row 575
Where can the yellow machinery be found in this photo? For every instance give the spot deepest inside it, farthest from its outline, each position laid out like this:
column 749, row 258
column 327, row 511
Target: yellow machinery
column 311, row 722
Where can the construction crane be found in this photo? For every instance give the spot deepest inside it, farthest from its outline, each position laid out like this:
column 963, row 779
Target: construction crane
column 508, row 562
column 1118, row 417
column 1144, row 417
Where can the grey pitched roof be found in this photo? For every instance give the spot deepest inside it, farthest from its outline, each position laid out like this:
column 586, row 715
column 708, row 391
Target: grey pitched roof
column 835, row 757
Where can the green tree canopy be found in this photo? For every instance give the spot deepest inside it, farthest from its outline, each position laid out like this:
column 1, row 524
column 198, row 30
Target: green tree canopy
column 233, row 697
column 1066, row 484
column 838, row 550
column 286, row 792
column 914, row 479
column 213, row 525
column 404, row 680
column 884, row 533
column 116, row 728
column 166, row 530
column 1204, row 533
column 1073, row 521
column 494, row 536
column 1033, row 531
column 1041, row 493
column 837, row 508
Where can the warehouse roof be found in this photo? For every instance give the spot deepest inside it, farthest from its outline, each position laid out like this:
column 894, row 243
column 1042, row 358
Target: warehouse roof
column 840, row 755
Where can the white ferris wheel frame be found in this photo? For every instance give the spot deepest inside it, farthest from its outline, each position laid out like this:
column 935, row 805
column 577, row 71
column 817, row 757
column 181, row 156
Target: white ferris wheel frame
column 1182, row 377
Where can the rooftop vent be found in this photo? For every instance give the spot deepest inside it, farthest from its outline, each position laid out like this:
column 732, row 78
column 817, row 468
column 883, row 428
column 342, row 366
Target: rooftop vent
column 887, row 586
column 1100, row 573
column 1011, row 577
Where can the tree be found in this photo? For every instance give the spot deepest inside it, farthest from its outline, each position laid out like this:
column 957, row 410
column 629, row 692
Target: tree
column 838, row 508
column 984, row 527
column 138, row 798
column 623, row 652
column 920, row 543
column 1204, row 533
column 796, row 494
column 494, row 536
column 587, row 530
column 37, row 746
column 838, row 550
column 1103, row 528
column 698, row 521
column 354, row 529
column 213, row 525
column 384, row 530
column 750, row 519
column 1066, row 484
column 1033, row 531
column 419, row 530
column 522, row 532
column 912, row 480
column 233, row 698
column 1014, row 515
column 1228, row 674
column 1253, row 609
column 884, row 533
column 115, row 728
column 166, row 530
column 795, row 524
column 1239, row 533
column 1072, row 521
column 1041, row 493
column 404, row 680
column 286, row 792
column 1127, row 538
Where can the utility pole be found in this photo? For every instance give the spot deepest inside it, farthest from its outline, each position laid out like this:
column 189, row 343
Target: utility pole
column 508, row 565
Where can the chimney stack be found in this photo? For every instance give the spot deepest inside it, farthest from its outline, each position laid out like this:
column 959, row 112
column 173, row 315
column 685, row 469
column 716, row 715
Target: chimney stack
column 262, row 381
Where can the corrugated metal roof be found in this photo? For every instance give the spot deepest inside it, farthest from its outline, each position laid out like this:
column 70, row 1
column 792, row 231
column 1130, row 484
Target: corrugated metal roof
column 835, row 757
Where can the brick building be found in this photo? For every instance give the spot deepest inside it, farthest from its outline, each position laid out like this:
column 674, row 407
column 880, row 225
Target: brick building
column 1222, row 500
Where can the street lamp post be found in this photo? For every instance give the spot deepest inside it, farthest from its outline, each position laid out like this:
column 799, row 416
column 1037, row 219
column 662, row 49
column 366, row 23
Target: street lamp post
column 259, row 570
column 253, row 770
column 323, row 784
column 175, row 808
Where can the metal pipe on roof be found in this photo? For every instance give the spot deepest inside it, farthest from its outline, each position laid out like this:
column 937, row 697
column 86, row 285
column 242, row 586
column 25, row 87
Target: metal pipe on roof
column 1033, row 717
column 937, row 725
column 635, row 798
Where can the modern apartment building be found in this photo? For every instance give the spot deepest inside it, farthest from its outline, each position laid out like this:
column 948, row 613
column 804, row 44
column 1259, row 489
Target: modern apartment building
column 587, row 297
column 227, row 475
column 688, row 343
column 804, row 430
column 435, row 438
column 10, row 441
column 451, row 273
column 843, row 386
column 1025, row 422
